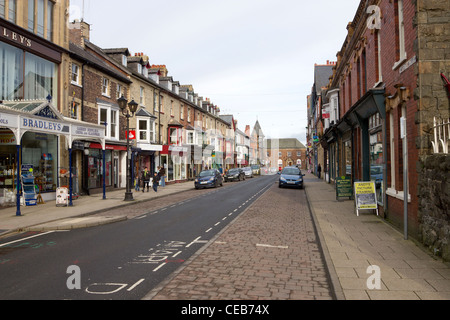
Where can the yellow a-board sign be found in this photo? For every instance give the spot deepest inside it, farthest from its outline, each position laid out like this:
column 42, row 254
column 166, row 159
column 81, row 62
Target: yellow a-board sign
column 365, row 196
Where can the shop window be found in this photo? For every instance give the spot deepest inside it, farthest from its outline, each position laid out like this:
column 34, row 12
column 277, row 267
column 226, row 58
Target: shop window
column 40, row 151
column 95, row 168
column 376, row 155
column 8, row 163
column 348, row 157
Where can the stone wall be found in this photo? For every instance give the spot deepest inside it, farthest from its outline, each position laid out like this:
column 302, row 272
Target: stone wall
column 432, row 49
column 434, row 203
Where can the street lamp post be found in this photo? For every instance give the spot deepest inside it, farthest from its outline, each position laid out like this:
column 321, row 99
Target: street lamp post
column 128, row 110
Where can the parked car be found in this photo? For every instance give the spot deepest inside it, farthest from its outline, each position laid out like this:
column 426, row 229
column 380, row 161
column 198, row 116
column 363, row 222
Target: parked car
column 208, row 179
column 291, row 177
column 256, row 169
column 248, row 172
column 234, row 174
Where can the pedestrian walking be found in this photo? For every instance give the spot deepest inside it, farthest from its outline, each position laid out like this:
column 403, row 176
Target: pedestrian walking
column 319, row 170
column 145, row 179
column 156, row 179
column 136, row 182
column 162, row 175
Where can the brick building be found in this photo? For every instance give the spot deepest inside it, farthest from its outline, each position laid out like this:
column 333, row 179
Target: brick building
column 286, row 152
column 388, row 86
column 95, row 86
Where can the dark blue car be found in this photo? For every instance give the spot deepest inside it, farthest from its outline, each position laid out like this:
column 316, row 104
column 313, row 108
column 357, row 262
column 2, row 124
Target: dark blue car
column 209, row 179
column 291, row 177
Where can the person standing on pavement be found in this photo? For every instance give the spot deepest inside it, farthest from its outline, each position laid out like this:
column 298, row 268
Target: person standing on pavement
column 145, row 179
column 162, row 174
column 156, row 179
column 136, row 182
column 319, row 170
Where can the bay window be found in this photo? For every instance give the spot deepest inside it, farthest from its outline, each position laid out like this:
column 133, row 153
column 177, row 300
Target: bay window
column 109, row 117
column 175, row 136
column 146, row 130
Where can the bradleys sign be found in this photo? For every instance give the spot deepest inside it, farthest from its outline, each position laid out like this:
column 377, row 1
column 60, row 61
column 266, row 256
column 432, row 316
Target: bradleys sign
column 42, row 125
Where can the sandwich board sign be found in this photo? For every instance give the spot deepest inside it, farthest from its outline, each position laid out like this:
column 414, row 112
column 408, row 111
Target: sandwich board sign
column 344, row 187
column 365, row 196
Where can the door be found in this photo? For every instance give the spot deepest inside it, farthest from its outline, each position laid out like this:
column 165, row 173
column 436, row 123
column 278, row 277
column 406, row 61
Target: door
column 116, row 172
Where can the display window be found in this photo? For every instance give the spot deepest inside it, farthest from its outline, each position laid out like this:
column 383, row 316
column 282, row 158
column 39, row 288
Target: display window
column 95, row 168
column 376, row 155
column 41, row 151
column 8, row 172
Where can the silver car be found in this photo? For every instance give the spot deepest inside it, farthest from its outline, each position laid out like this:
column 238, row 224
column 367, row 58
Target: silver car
column 248, row 172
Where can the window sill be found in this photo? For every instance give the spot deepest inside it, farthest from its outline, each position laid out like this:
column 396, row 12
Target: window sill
column 76, row 84
column 399, row 63
column 397, row 194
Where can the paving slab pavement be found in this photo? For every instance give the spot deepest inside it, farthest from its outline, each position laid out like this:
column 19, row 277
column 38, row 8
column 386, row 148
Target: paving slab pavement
column 355, row 243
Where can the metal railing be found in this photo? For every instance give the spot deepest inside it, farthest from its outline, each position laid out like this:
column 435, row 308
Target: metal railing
column 441, row 136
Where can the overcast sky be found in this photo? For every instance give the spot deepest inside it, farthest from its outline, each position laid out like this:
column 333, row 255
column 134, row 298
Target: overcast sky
column 253, row 58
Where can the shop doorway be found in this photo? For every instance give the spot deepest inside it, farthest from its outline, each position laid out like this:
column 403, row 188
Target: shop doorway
column 116, row 172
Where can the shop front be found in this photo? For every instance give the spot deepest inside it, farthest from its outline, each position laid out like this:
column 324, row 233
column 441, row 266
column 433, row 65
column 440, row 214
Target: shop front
column 175, row 161
column 145, row 155
column 93, row 174
column 31, row 144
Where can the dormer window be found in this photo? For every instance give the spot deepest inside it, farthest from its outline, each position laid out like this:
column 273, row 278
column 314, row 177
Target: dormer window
column 139, row 67
column 124, row 60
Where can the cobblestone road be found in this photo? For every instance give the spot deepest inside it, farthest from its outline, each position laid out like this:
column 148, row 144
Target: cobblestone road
column 270, row 252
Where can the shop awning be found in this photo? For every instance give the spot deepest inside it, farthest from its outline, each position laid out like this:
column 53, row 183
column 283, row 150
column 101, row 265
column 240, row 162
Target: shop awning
column 41, row 116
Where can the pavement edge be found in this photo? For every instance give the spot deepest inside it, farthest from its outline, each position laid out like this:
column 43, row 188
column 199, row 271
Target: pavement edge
column 332, row 274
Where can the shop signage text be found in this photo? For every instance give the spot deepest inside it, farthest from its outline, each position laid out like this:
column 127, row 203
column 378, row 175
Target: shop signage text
column 7, row 120
column 42, row 124
column 88, row 132
column 16, row 37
